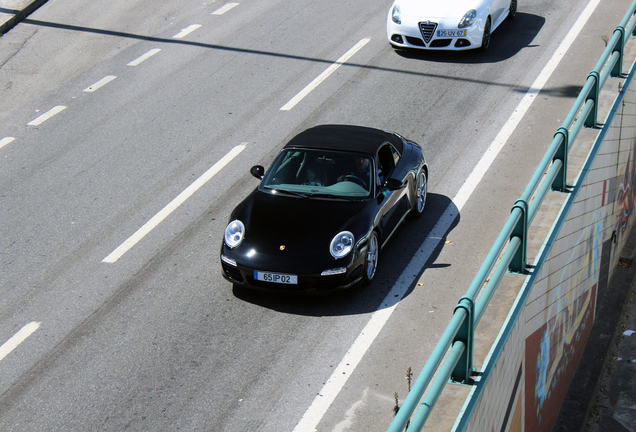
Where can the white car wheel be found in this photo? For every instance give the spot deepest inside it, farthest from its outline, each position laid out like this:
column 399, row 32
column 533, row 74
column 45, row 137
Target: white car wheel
column 513, row 9
column 485, row 40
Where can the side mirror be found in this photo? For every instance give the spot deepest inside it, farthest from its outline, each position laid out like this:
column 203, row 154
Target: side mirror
column 258, row 171
column 393, row 184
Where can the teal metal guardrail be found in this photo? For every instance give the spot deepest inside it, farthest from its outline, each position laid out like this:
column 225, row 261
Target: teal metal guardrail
column 511, row 242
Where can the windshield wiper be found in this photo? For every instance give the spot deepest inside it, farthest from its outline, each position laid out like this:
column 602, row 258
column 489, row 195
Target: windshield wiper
column 288, row 192
column 326, row 195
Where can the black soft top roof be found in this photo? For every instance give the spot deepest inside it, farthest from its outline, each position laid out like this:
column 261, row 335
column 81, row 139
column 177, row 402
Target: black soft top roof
column 357, row 139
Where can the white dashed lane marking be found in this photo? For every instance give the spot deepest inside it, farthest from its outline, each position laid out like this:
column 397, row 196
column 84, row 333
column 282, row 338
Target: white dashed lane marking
column 99, row 84
column 225, row 8
column 47, row 115
column 144, row 57
column 323, row 76
column 18, row 338
column 174, row 204
column 5, row 141
column 186, row 31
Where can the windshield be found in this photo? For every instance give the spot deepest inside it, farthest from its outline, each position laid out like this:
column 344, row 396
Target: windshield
column 321, row 172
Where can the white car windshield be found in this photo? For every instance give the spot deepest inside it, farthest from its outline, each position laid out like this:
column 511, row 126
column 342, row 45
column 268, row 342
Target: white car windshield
column 321, row 173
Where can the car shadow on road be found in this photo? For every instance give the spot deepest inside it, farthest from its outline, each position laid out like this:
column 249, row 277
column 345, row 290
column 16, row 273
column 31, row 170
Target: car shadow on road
column 507, row 40
column 394, row 258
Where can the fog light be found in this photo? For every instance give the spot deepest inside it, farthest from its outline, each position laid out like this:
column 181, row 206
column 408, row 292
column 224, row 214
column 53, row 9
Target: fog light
column 229, row 261
column 332, row 272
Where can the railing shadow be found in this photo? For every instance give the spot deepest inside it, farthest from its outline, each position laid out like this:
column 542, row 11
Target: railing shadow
column 456, row 57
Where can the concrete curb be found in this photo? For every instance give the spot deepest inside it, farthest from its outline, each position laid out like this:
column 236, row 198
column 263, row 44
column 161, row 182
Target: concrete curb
column 12, row 12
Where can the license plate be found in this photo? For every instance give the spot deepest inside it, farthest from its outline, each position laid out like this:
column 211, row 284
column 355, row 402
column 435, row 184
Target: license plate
column 451, row 33
column 276, row 278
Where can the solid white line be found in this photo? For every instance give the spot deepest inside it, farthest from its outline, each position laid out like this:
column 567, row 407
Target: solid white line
column 500, row 140
column 225, row 8
column 47, row 115
column 379, row 318
column 99, row 84
column 331, row 69
column 341, row 374
column 18, row 338
column 186, row 31
column 174, row 204
column 5, row 141
column 144, row 57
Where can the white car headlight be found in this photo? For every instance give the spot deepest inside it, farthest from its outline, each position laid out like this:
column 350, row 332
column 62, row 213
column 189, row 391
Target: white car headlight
column 234, row 233
column 341, row 245
column 395, row 15
column 468, row 19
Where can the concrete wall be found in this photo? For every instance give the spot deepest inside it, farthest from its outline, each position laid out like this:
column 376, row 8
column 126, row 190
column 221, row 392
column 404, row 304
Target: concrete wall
column 529, row 369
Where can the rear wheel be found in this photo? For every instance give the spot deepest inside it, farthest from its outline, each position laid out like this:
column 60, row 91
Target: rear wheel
column 371, row 260
column 485, row 40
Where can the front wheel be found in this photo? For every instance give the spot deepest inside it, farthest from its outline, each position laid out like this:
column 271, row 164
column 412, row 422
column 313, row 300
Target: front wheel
column 485, row 40
column 420, row 193
column 512, row 12
column 371, row 261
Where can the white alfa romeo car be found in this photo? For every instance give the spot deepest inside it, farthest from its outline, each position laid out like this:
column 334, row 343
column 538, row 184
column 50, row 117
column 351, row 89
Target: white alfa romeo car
column 446, row 25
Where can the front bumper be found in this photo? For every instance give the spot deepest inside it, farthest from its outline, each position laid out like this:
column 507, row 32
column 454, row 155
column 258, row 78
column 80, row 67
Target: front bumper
column 307, row 282
column 239, row 267
column 418, row 33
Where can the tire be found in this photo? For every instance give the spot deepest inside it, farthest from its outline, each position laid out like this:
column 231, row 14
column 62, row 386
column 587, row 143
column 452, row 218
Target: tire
column 512, row 12
column 421, row 193
column 485, row 40
column 371, row 259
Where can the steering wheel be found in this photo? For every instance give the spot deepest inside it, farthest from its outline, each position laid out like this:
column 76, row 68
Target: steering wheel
column 355, row 179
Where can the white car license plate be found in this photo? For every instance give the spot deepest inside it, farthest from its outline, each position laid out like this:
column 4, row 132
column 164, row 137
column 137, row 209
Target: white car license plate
column 276, row 278
column 451, row 33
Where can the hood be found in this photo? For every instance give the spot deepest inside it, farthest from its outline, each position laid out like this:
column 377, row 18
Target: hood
column 304, row 226
column 435, row 9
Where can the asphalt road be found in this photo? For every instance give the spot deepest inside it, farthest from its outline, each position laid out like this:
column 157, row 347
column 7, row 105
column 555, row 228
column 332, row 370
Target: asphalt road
column 156, row 339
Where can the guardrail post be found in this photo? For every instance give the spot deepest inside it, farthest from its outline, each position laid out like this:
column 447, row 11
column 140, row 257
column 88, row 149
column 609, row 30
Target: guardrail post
column 620, row 47
column 560, row 182
column 590, row 121
column 518, row 263
column 465, row 334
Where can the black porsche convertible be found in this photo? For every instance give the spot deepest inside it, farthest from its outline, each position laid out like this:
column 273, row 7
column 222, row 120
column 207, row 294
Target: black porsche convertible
column 331, row 199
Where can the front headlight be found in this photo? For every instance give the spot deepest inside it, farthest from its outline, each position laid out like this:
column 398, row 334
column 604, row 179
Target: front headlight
column 234, row 233
column 395, row 15
column 468, row 19
column 341, row 245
